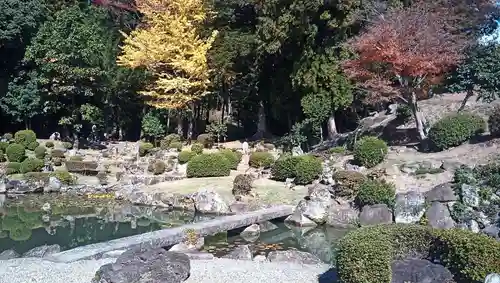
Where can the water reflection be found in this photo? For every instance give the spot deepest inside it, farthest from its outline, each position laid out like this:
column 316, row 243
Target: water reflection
column 31, row 221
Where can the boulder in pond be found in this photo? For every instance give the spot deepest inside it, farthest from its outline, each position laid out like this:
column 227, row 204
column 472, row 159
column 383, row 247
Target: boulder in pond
column 315, row 210
column 242, row 252
column 149, row 266
column 342, row 216
column 42, row 251
column 251, row 233
column 207, row 201
column 439, row 217
column 294, row 256
column 409, row 207
column 375, row 214
column 419, row 271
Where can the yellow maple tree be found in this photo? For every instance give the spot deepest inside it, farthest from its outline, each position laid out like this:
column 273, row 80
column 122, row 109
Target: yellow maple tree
column 169, row 45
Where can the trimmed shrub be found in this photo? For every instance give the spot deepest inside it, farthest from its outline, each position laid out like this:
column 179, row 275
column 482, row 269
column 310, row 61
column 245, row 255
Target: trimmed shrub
column 40, row 152
column 185, row 156
column 67, row 145
column 31, row 165
column 8, row 136
column 158, row 167
column 49, row 144
column 307, row 169
column 233, row 156
column 208, row 165
column 376, row 192
column 242, row 184
column 76, row 158
column 365, row 255
column 454, row 130
column 57, row 153
column 176, row 145
column 64, row 176
column 165, row 143
column 494, row 122
column 197, row 148
column 145, row 148
column 33, row 145
column 15, row 152
column 370, row 151
column 3, row 146
column 205, row 139
column 284, row 167
column 25, row 137
column 260, row 160
column 348, row 183
column 13, row 168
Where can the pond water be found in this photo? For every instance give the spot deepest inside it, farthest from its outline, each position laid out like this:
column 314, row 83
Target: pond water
column 321, row 241
column 27, row 222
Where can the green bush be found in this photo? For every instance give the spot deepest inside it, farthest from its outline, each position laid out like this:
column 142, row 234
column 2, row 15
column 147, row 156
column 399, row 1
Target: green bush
column 494, row 122
column 31, row 165
column 13, row 168
column 49, row 144
column 33, row 145
column 176, row 145
column 208, row 165
column 376, row 192
column 365, row 255
column 40, row 152
column 15, row 152
column 233, row 156
column 337, row 150
column 8, row 136
column 454, row 130
column 403, row 113
column 307, row 169
column 165, row 143
column 57, row 153
column 67, row 145
column 25, row 137
column 284, row 167
column 145, row 148
column 370, row 151
column 157, row 167
column 348, row 183
column 197, row 148
column 185, row 156
column 260, row 159
column 65, row 177
column 3, row 146
column 205, row 139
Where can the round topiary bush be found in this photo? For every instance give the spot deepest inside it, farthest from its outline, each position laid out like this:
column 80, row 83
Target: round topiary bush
column 348, row 183
column 233, row 156
column 166, row 142
column 376, row 192
column 40, row 152
column 13, row 168
column 3, row 146
column 157, row 167
column 494, row 122
column 365, row 255
column 15, row 152
column 197, row 148
column 205, row 139
column 145, row 148
column 176, row 145
column 31, row 165
column 25, row 137
column 67, row 145
column 307, row 169
column 49, row 144
column 185, row 156
column 33, row 145
column 370, row 151
column 260, row 160
column 57, row 153
column 454, row 130
column 208, row 165
column 284, row 167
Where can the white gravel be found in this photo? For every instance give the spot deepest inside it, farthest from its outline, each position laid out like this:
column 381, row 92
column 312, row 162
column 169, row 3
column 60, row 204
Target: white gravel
column 32, row 270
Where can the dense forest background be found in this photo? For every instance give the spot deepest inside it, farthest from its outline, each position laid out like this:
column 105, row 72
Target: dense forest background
column 275, row 69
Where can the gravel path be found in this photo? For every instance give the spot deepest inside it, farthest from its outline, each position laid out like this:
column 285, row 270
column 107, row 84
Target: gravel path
column 31, row 270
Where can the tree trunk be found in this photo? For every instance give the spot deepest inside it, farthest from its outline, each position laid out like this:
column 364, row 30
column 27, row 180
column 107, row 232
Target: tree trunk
column 262, row 124
column 469, row 94
column 229, row 109
column 168, row 121
column 419, row 118
column 332, row 127
column 180, row 130
column 190, row 125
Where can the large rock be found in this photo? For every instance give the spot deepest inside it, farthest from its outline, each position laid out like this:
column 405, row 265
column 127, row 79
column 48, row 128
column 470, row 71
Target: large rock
column 492, row 231
column 492, row 278
column 242, row 252
column 470, row 195
column 8, row 254
column 442, row 193
column 297, row 218
column 206, row 201
column 313, row 209
column 342, row 216
column 320, row 192
column 293, row 256
column 150, row 266
column 251, row 233
column 419, row 271
column 42, row 251
column 409, row 207
column 54, row 185
column 24, row 187
column 375, row 214
column 439, row 217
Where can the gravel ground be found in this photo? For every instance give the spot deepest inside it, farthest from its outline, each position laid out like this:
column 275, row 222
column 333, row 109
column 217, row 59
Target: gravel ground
column 30, row 270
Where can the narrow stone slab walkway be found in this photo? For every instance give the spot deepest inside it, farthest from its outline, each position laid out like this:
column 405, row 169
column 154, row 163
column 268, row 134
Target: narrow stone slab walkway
column 171, row 236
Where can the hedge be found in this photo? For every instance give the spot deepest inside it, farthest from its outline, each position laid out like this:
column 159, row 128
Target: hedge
column 185, row 156
column 15, row 152
column 145, row 148
column 370, row 151
column 208, row 165
column 260, row 159
column 365, row 255
column 307, row 169
column 25, row 137
column 31, row 165
column 455, row 129
column 233, row 156
column 197, row 148
column 372, row 192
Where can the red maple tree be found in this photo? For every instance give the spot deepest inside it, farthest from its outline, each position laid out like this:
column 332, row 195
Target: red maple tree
column 407, row 50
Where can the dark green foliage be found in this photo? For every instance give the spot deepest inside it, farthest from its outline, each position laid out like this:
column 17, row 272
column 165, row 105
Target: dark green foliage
column 242, row 184
column 2, row 157
column 185, row 156
column 494, row 122
column 49, row 144
column 152, row 126
column 370, row 151
column 284, row 167
column 33, row 145
column 13, row 168
column 3, row 146
column 403, row 113
column 40, row 152
column 206, row 140
column 57, row 153
column 307, row 169
column 176, row 145
column 67, row 145
column 25, row 137
column 376, row 192
column 208, row 165
column 455, row 129
column 31, row 165
column 15, row 152
column 260, row 160
column 197, row 148
column 64, row 176
column 348, row 183
column 145, row 148
column 233, row 156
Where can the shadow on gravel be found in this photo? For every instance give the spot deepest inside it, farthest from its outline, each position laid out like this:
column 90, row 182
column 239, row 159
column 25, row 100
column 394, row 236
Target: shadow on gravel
column 329, row 276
